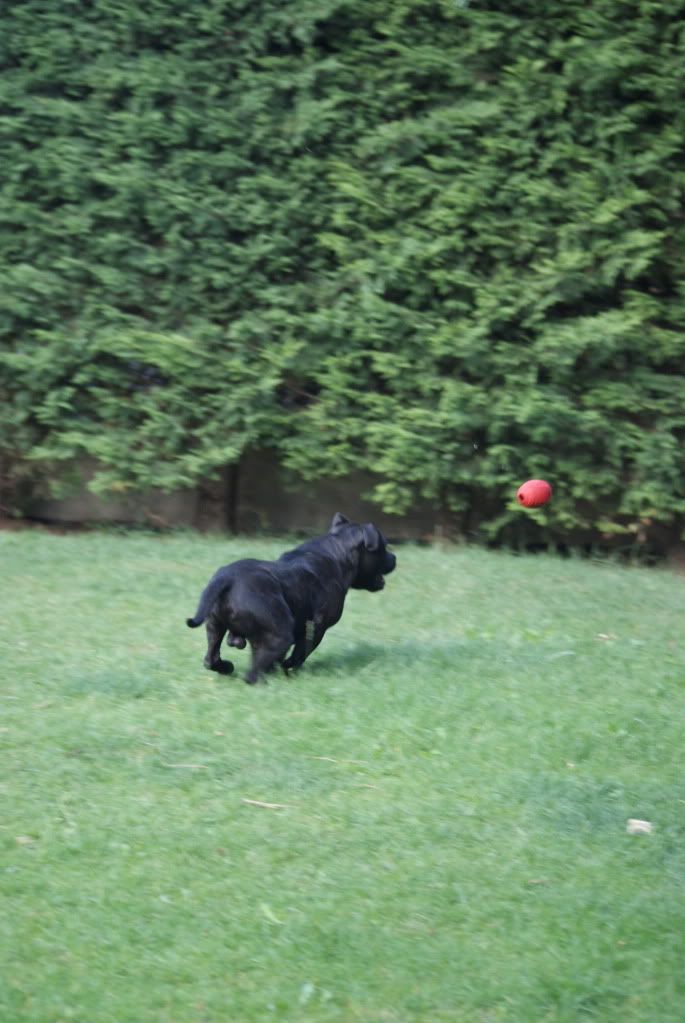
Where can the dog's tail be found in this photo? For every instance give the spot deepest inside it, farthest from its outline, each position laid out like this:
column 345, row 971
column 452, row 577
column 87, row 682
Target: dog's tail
column 217, row 585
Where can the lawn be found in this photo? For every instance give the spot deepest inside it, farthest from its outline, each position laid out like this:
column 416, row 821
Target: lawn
column 427, row 823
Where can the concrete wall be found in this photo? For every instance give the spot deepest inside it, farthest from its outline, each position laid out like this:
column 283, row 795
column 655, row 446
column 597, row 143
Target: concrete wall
column 263, row 497
column 259, row 497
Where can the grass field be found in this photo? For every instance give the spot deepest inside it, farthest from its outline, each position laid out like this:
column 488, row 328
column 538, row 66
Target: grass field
column 450, row 778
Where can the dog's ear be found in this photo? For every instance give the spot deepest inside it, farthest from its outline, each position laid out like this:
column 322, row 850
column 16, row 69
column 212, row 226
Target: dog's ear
column 338, row 522
column 371, row 537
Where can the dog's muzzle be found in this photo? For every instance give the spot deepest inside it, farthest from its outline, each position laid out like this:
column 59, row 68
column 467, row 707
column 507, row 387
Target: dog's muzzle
column 390, row 563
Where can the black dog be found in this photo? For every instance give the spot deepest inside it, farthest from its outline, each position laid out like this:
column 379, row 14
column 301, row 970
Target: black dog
column 275, row 605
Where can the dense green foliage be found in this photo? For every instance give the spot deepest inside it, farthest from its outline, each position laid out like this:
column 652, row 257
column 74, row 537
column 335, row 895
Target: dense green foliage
column 441, row 240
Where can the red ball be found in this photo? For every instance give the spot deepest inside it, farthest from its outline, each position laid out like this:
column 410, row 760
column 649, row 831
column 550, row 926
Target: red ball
column 533, row 493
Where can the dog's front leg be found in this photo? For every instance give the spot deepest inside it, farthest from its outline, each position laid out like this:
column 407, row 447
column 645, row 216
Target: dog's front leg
column 305, row 642
column 267, row 652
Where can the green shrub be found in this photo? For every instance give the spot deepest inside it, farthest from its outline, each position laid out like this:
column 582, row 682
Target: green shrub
column 439, row 240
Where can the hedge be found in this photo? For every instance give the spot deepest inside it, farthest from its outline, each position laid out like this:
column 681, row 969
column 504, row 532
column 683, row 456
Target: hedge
column 439, row 240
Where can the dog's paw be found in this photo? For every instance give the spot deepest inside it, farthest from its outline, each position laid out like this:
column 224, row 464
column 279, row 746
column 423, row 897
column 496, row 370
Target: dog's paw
column 292, row 664
column 220, row 666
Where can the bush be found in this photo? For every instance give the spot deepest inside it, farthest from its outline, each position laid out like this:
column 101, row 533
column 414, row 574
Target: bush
column 441, row 241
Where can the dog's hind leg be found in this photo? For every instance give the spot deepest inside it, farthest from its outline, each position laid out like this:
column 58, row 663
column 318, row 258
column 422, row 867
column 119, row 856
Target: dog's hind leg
column 215, row 634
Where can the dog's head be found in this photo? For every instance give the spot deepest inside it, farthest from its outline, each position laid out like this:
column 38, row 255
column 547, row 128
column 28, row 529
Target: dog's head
column 375, row 561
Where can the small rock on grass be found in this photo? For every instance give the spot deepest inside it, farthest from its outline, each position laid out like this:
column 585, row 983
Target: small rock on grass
column 636, row 827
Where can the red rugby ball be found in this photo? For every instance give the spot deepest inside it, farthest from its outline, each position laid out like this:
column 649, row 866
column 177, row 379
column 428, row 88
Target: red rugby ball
column 533, row 493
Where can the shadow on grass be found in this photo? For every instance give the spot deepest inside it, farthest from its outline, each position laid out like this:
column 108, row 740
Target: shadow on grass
column 147, row 680
column 388, row 655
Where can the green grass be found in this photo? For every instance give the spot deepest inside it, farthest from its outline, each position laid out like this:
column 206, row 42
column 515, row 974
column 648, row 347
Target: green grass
column 456, row 765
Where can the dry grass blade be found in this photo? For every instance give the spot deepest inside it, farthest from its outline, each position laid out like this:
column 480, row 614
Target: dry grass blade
column 266, row 806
